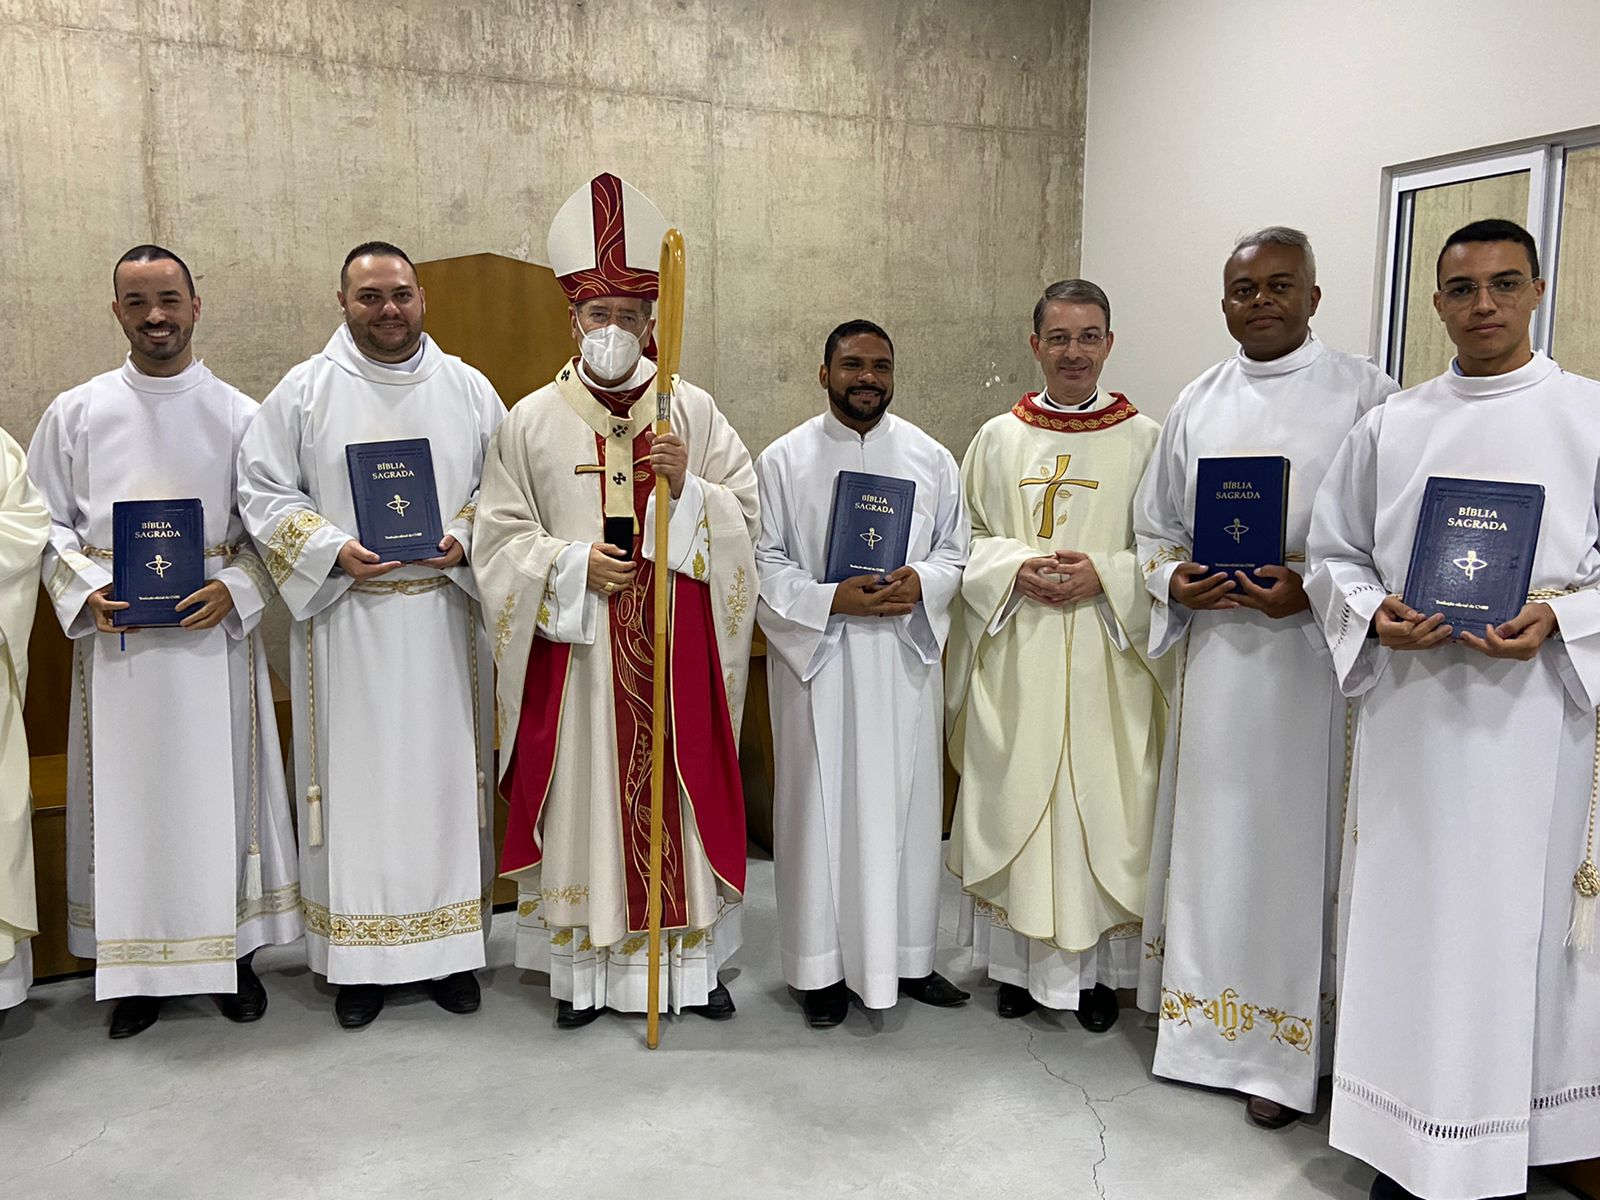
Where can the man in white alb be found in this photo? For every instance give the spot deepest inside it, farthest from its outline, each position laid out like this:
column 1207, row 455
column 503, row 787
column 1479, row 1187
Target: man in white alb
column 1238, row 937
column 1469, row 1029
column 180, row 854
column 856, row 688
column 390, row 669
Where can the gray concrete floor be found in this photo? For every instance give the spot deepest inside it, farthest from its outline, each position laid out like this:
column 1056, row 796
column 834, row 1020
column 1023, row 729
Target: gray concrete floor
column 913, row 1103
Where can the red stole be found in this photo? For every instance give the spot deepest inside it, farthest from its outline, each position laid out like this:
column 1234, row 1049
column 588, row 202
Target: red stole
column 702, row 756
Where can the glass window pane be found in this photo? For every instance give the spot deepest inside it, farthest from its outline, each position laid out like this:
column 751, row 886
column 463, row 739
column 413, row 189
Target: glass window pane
column 1576, row 331
column 1436, row 214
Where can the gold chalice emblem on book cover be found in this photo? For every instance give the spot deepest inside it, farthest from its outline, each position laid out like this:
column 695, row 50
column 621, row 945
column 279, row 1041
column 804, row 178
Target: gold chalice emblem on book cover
column 1470, row 564
column 160, row 566
column 872, row 537
column 399, row 504
column 1237, row 530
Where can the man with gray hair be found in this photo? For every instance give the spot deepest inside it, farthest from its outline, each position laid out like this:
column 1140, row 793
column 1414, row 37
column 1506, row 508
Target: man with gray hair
column 1054, row 716
column 1238, row 924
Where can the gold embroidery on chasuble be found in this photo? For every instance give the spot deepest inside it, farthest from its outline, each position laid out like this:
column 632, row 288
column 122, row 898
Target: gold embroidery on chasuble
column 502, row 625
column 1053, row 483
column 469, row 510
column 288, row 542
column 738, row 600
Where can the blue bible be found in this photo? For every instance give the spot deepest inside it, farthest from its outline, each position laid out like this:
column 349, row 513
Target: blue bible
column 1241, row 510
column 1472, row 558
column 869, row 530
column 396, row 502
column 158, row 556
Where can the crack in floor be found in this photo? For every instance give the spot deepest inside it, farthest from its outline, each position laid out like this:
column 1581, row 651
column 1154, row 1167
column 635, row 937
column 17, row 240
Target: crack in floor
column 1090, row 1103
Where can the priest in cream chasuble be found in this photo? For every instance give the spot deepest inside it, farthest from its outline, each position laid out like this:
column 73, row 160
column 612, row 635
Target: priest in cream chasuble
column 389, row 666
column 24, row 528
column 1055, row 717
column 566, row 561
column 180, row 852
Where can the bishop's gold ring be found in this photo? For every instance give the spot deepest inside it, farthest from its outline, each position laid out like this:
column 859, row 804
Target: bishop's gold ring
column 610, row 587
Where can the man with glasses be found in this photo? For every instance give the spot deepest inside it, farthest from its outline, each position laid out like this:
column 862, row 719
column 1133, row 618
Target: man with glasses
column 1469, row 1039
column 1054, row 715
column 566, row 559
column 1240, row 829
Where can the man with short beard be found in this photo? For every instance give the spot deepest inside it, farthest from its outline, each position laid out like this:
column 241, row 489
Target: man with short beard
column 180, row 855
column 857, row 695
column 1054, row 714
column 391, row 675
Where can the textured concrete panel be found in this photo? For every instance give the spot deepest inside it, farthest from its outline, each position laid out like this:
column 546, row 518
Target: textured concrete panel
column 1020, row 65
column 917, row 161
column 72, row 198
column 801, row 246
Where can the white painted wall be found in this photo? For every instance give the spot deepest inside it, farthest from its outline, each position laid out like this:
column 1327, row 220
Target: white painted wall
column 1209, row 118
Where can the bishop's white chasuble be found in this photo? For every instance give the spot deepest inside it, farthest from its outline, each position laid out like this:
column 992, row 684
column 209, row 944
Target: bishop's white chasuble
column 575, row 686
column 857, row 713
column 166, row 886
column 24, row 529
column 1238, row 926
column 391, row 677
column 1054, row 715
column 1469, row 1030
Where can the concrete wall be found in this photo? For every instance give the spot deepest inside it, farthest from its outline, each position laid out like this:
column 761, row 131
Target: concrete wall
column 1209, row 118
column 917, row 161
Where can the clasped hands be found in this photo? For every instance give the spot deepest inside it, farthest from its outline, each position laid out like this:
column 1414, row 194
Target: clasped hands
column 214, row 599
column 1064, row 577
column 1401, row 627
column 1201, row 590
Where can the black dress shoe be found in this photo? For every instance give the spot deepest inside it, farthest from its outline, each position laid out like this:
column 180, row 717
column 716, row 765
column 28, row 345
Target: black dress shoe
column 133, row 1015
column 456, row 993
column 826, row 1007
column 1097, row 1008
column 718, row 1005
column 1014, row 1001
column 1269, row 1114
column 568, row 1017
column 249, row 1001
column 1384, row 1188
column 933, row 988
column 358, row 1004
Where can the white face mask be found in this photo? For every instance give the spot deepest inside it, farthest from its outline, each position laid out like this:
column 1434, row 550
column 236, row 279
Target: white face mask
column 610, row 352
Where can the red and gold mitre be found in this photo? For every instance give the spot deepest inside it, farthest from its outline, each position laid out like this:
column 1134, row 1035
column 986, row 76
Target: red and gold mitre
column 606, row 241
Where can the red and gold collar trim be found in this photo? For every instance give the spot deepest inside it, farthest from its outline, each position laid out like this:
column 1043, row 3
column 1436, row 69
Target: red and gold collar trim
column 1029, row 412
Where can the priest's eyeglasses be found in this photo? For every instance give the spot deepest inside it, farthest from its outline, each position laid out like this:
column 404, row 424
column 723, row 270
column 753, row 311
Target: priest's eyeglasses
column 1461, row 292
column 1086, row 341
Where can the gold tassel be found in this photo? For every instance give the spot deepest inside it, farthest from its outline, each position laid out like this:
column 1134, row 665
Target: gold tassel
column 1585, row 888
column 483, row 802
column 252, row 874
column 314, row 815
